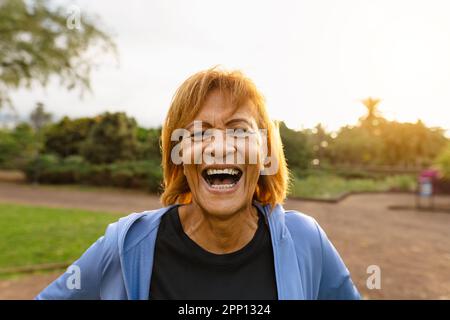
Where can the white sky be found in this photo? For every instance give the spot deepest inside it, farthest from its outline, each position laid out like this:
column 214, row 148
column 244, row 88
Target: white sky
column 313, row 60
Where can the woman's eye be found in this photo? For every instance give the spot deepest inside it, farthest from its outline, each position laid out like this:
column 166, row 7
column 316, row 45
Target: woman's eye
column 201, row 134
column 196, row 134
column 241, row 132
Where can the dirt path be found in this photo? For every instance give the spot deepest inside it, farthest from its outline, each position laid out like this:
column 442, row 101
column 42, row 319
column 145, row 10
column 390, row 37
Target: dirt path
column 411, row 248
column 99, row 199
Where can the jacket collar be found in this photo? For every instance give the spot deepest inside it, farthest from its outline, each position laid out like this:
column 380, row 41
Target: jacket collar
column 137, row 245
column 287, row 271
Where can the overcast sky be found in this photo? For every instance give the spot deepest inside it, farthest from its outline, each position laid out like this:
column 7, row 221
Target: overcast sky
column 313, row 60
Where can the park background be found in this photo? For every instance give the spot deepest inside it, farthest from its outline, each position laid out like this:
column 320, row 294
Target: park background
column 359, row 90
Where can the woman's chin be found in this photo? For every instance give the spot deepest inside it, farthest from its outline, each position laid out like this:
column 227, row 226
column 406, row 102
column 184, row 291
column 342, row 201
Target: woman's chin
column 221, row 201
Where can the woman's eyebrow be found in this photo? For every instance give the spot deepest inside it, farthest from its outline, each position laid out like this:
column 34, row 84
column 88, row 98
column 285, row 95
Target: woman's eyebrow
column 204, row 124
column 208, row 125
column 238, row 120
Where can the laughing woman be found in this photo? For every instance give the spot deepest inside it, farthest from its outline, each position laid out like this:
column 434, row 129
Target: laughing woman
column 223, row 233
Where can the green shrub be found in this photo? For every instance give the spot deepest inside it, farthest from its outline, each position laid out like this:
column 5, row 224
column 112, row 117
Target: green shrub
column 38, row 169
column 112, row 138
column 155, row 179
column 97, row 175
column 443, row 162
column 74, row 160
column 323, row 186
column 50, row 169
column 17, row 147
column 65, row 137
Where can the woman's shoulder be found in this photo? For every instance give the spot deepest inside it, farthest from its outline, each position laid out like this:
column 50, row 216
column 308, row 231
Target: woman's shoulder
column 302, row 225
column 131, row 229
column 308, row 236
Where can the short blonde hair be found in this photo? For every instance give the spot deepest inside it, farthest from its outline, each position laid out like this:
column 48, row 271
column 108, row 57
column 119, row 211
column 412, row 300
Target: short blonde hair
column 186, row 103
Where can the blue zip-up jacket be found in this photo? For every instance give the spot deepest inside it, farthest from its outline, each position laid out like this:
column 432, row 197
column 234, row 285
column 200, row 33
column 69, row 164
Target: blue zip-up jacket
column 119, row 264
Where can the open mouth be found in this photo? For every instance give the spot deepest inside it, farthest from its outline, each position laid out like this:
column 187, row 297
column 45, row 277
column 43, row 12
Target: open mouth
column 225, row 178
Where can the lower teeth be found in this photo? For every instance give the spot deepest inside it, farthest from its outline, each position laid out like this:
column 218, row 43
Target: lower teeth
column 222, row 186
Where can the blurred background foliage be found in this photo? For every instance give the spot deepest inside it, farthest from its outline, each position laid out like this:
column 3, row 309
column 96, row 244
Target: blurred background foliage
column 111, row 149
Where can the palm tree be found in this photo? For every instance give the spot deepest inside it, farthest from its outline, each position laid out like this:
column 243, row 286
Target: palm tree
column 372, row 108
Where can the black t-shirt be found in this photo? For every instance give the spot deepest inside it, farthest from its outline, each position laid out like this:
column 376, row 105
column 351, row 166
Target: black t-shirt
column 184, row 270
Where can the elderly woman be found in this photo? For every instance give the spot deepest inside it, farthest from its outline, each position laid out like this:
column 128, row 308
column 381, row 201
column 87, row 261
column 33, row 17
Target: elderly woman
column 222, row 233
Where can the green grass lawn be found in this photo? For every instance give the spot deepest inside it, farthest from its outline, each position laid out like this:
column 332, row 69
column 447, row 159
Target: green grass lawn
column 326, row 186
column 32, row 235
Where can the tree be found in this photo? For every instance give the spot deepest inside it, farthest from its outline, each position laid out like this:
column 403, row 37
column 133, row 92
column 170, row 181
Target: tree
column 410, row 144
column 373, row 119
column 17, row 146
column 319, row 140
column 443, row 161
column 39, row 117
column 112, row 138
column 296, row 148
column 392, row 143
column 355, row 146
column 36, row 44
column 372, row 108
column 149, row 143
column 66, row 137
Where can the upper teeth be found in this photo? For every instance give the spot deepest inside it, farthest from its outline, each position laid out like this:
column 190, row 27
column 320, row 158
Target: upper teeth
column 223, row 171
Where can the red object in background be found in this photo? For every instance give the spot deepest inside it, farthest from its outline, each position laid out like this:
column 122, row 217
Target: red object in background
column 429, row 173
column 433, row 177
column 427, row 179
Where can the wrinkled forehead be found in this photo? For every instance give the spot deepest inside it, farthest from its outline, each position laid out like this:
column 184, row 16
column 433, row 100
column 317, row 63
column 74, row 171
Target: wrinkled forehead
column 221, row 107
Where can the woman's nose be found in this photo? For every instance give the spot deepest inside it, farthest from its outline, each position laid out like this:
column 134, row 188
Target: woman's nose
column 220, row 147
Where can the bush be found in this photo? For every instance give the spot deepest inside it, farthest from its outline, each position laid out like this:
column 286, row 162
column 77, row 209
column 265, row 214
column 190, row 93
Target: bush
column 155, row 178
column 17, row 147
column 39, row 168
column 133, row 174
column 8, row 148
column 296, row 147
column 329, row 186
column 66, row 137
column 112, row 138
column 443, row 162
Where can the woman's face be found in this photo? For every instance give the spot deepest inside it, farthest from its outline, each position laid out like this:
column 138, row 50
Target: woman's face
column 223, row 181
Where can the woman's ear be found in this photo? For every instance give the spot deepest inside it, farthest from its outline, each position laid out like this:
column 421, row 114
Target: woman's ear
column 261, row 169
column 262, row 159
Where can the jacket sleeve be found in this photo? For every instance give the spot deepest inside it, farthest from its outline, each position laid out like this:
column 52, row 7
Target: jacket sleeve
column 335, row 282
column 82, row 280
